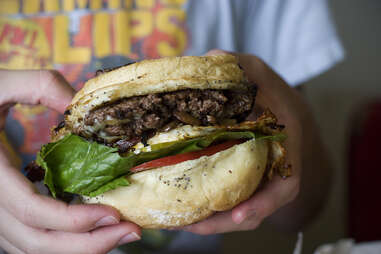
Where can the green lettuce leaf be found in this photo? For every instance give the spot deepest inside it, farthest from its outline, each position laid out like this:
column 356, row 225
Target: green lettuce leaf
column 118, row 182
column 75, row 165
column 78, row 166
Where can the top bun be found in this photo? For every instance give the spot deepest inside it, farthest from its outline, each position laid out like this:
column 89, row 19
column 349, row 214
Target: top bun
column 157, row 76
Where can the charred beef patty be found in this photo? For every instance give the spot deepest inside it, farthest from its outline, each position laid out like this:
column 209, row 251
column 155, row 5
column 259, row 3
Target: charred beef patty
column 130, row 119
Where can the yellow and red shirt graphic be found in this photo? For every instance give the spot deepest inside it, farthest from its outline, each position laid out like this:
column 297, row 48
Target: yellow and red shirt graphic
column 78, row 37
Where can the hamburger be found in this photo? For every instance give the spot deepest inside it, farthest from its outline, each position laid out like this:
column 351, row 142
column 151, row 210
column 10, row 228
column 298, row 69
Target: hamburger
column 165, row 141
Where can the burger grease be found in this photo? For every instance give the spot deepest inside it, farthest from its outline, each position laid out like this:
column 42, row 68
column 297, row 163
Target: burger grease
column 152, row 102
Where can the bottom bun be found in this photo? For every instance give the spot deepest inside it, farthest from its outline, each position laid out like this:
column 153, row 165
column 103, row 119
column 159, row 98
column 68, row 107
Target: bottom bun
column 190, row 191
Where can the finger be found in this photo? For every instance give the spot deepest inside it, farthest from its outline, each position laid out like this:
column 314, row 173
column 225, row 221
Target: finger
column 31, row 240
column 271, row 86
column 15, row 233
column 257, row 71
column 19, row 197
column 221, row 223
column 8, row 247
column 217, row 223
column 217, row 52
column 101, row 240
column 46, row 87
column 276, row 193
column 272, row 89
column 43, row 212
column 253, row 68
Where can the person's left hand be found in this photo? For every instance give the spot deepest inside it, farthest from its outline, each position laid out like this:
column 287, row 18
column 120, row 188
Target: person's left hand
column 34, row 223
column 287, row 104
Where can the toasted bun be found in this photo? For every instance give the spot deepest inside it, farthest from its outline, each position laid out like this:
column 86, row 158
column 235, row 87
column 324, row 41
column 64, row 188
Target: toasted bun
column 190, row 191
column 156, row 76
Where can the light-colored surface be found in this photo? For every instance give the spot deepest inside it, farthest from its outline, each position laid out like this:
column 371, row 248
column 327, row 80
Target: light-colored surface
column 334, row 97
column 192, row 190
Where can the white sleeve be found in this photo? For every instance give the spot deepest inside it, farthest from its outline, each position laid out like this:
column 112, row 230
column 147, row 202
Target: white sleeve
column 297, row 38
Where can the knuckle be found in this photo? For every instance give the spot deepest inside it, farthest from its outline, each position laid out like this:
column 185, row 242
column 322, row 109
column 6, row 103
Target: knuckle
column 75, row 223
column 81, row 218
column 75, row 220
column 78, row 218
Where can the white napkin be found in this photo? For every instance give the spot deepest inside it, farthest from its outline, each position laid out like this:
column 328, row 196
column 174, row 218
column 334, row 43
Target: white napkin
column 344, row 246
column 299, row 244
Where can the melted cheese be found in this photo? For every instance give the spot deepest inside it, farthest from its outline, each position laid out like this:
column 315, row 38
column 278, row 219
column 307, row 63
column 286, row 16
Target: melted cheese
column 179, row 133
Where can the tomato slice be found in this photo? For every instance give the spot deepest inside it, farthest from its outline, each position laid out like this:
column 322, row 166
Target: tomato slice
column 174, row 159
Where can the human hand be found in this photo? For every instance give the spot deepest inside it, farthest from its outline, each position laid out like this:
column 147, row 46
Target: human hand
column 30, row 222
column 287, row 104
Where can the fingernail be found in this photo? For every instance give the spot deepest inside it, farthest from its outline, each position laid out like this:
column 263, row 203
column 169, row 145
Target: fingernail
column 131, row 237
column 243, row 217
column 106, row 221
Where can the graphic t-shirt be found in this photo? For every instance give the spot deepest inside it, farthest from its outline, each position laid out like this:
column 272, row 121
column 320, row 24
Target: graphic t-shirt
column 78, row 37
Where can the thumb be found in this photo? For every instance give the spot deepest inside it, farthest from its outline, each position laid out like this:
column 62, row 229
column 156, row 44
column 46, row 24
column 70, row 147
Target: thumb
column 45, row 87
column 217, row 52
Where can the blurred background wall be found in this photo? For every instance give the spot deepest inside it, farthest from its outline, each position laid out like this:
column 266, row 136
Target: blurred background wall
column 334, row 97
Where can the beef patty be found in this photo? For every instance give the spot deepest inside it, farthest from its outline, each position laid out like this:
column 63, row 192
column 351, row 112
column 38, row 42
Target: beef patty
column 130, row 119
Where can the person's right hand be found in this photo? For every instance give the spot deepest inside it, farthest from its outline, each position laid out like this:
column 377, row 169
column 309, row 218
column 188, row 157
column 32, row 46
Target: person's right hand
column 30, row 222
